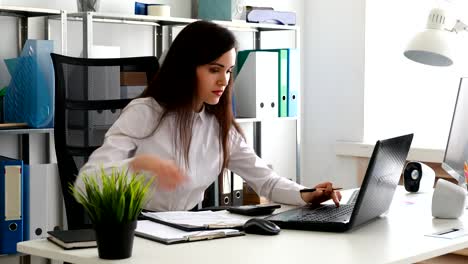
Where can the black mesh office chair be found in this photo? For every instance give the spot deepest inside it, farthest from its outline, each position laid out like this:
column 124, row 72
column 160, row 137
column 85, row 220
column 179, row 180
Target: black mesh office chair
column 89, row 94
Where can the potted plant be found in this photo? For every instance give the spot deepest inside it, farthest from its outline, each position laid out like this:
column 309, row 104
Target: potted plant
column 113, row 202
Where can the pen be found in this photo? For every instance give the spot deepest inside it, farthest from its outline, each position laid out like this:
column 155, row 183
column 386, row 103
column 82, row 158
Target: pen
column 315, row 189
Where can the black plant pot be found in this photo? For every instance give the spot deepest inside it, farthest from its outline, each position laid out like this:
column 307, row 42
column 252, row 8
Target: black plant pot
column 115, row 241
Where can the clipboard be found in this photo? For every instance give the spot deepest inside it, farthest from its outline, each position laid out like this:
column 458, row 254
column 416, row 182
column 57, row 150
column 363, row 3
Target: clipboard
column 168, row 235
column 194, row 221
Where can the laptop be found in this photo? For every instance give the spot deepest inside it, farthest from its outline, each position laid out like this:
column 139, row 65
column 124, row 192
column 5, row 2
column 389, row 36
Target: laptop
column 369, row 202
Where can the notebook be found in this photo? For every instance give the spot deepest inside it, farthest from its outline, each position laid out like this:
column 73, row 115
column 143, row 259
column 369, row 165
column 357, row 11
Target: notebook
column 170, row 235
column 73, row 239
column 372, row 200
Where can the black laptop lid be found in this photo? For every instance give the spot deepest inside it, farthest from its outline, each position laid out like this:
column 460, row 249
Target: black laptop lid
column 381, row 179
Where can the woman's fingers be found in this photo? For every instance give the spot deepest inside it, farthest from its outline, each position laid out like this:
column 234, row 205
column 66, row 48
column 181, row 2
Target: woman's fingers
column 335, row 198
column 327, row 193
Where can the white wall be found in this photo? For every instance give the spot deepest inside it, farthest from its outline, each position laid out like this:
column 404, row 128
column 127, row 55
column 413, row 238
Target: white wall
column 333, row 89
column 411, row 89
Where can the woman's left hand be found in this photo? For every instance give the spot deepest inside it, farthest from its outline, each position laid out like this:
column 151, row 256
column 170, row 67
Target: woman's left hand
column 324, row 192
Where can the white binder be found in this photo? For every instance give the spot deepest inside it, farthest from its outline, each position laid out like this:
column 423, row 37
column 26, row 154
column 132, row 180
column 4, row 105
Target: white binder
column 237, row 190
column 256, row 86
column 45, row 200
column 225, row 192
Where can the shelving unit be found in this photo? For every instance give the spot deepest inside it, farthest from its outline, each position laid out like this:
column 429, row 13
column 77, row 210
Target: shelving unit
column 88, row 18
column 22, row 14
column 34, row 145
column 24, row 147
column 162, row 39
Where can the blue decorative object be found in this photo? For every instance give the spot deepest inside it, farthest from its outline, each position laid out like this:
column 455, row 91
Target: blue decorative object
column 141, row 8
column 30, row 95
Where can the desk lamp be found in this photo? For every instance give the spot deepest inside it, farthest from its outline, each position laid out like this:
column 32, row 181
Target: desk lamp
column 432, row 46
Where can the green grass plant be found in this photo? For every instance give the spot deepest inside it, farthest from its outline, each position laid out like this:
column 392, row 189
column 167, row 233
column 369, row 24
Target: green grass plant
column 115, row 197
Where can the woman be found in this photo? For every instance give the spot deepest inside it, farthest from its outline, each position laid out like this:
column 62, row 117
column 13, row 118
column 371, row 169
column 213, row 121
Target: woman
column 182, row 129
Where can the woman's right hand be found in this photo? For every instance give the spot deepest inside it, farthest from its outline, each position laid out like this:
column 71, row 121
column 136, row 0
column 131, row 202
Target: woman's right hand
column 167, row 173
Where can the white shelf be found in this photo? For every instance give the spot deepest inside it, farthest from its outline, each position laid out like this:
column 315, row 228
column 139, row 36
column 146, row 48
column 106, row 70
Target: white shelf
column 125, row 18
column 252, row 120
column 174, row 21
column 27, row 11
column 254, row 26
column 19, row 131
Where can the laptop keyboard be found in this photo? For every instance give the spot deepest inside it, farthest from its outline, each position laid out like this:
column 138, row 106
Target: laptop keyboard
column 353, row 197
column 328, row 213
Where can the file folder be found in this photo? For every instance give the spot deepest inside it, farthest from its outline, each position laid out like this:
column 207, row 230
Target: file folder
column 237, row 190
column 283, row 60
column 225, row 192
column 54, row 196
column 11, row 204
column 26, row 203
column 256, row 84
column 42, row 200
column 294, row 81
column 283, row 82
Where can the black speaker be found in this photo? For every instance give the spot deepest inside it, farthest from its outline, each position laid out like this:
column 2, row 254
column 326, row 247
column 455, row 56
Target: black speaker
column 418, row 177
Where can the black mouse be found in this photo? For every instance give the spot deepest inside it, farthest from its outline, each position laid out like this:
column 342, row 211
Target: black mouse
column 261, row 227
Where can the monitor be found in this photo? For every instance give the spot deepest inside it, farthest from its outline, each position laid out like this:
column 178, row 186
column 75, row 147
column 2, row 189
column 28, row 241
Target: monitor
column 456, row 152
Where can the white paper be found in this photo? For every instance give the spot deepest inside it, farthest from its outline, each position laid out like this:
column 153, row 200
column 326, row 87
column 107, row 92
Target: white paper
column 203, row 218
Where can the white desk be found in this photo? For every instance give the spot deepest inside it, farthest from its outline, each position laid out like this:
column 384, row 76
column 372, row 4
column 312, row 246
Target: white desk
column 397, row 238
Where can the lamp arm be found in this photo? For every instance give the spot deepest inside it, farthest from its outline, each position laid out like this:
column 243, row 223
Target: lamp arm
column 459, row 26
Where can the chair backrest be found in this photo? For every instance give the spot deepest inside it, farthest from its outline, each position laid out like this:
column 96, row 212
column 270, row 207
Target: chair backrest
column 89, row 95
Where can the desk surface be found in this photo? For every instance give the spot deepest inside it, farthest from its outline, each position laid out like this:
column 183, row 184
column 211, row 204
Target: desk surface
column 398, row 237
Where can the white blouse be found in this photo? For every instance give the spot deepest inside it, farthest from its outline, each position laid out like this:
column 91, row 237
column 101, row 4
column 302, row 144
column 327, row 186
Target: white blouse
column 133, row 133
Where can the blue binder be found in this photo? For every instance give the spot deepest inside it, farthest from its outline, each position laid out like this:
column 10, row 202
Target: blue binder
column 26, row 215
column 294, row 76
column 11, row 204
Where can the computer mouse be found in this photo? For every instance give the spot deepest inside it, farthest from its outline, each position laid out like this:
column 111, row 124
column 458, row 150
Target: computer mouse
column 261, row 227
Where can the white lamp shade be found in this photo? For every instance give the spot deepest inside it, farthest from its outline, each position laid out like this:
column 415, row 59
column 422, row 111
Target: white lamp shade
column 431, row 47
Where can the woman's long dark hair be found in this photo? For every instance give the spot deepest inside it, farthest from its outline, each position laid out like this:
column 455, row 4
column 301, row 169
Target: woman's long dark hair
column 175, row 85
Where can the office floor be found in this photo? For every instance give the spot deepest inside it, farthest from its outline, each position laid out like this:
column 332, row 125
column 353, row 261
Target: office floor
column 447, row 259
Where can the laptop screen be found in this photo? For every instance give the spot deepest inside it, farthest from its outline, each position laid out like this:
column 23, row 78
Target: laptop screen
column 382, row 176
